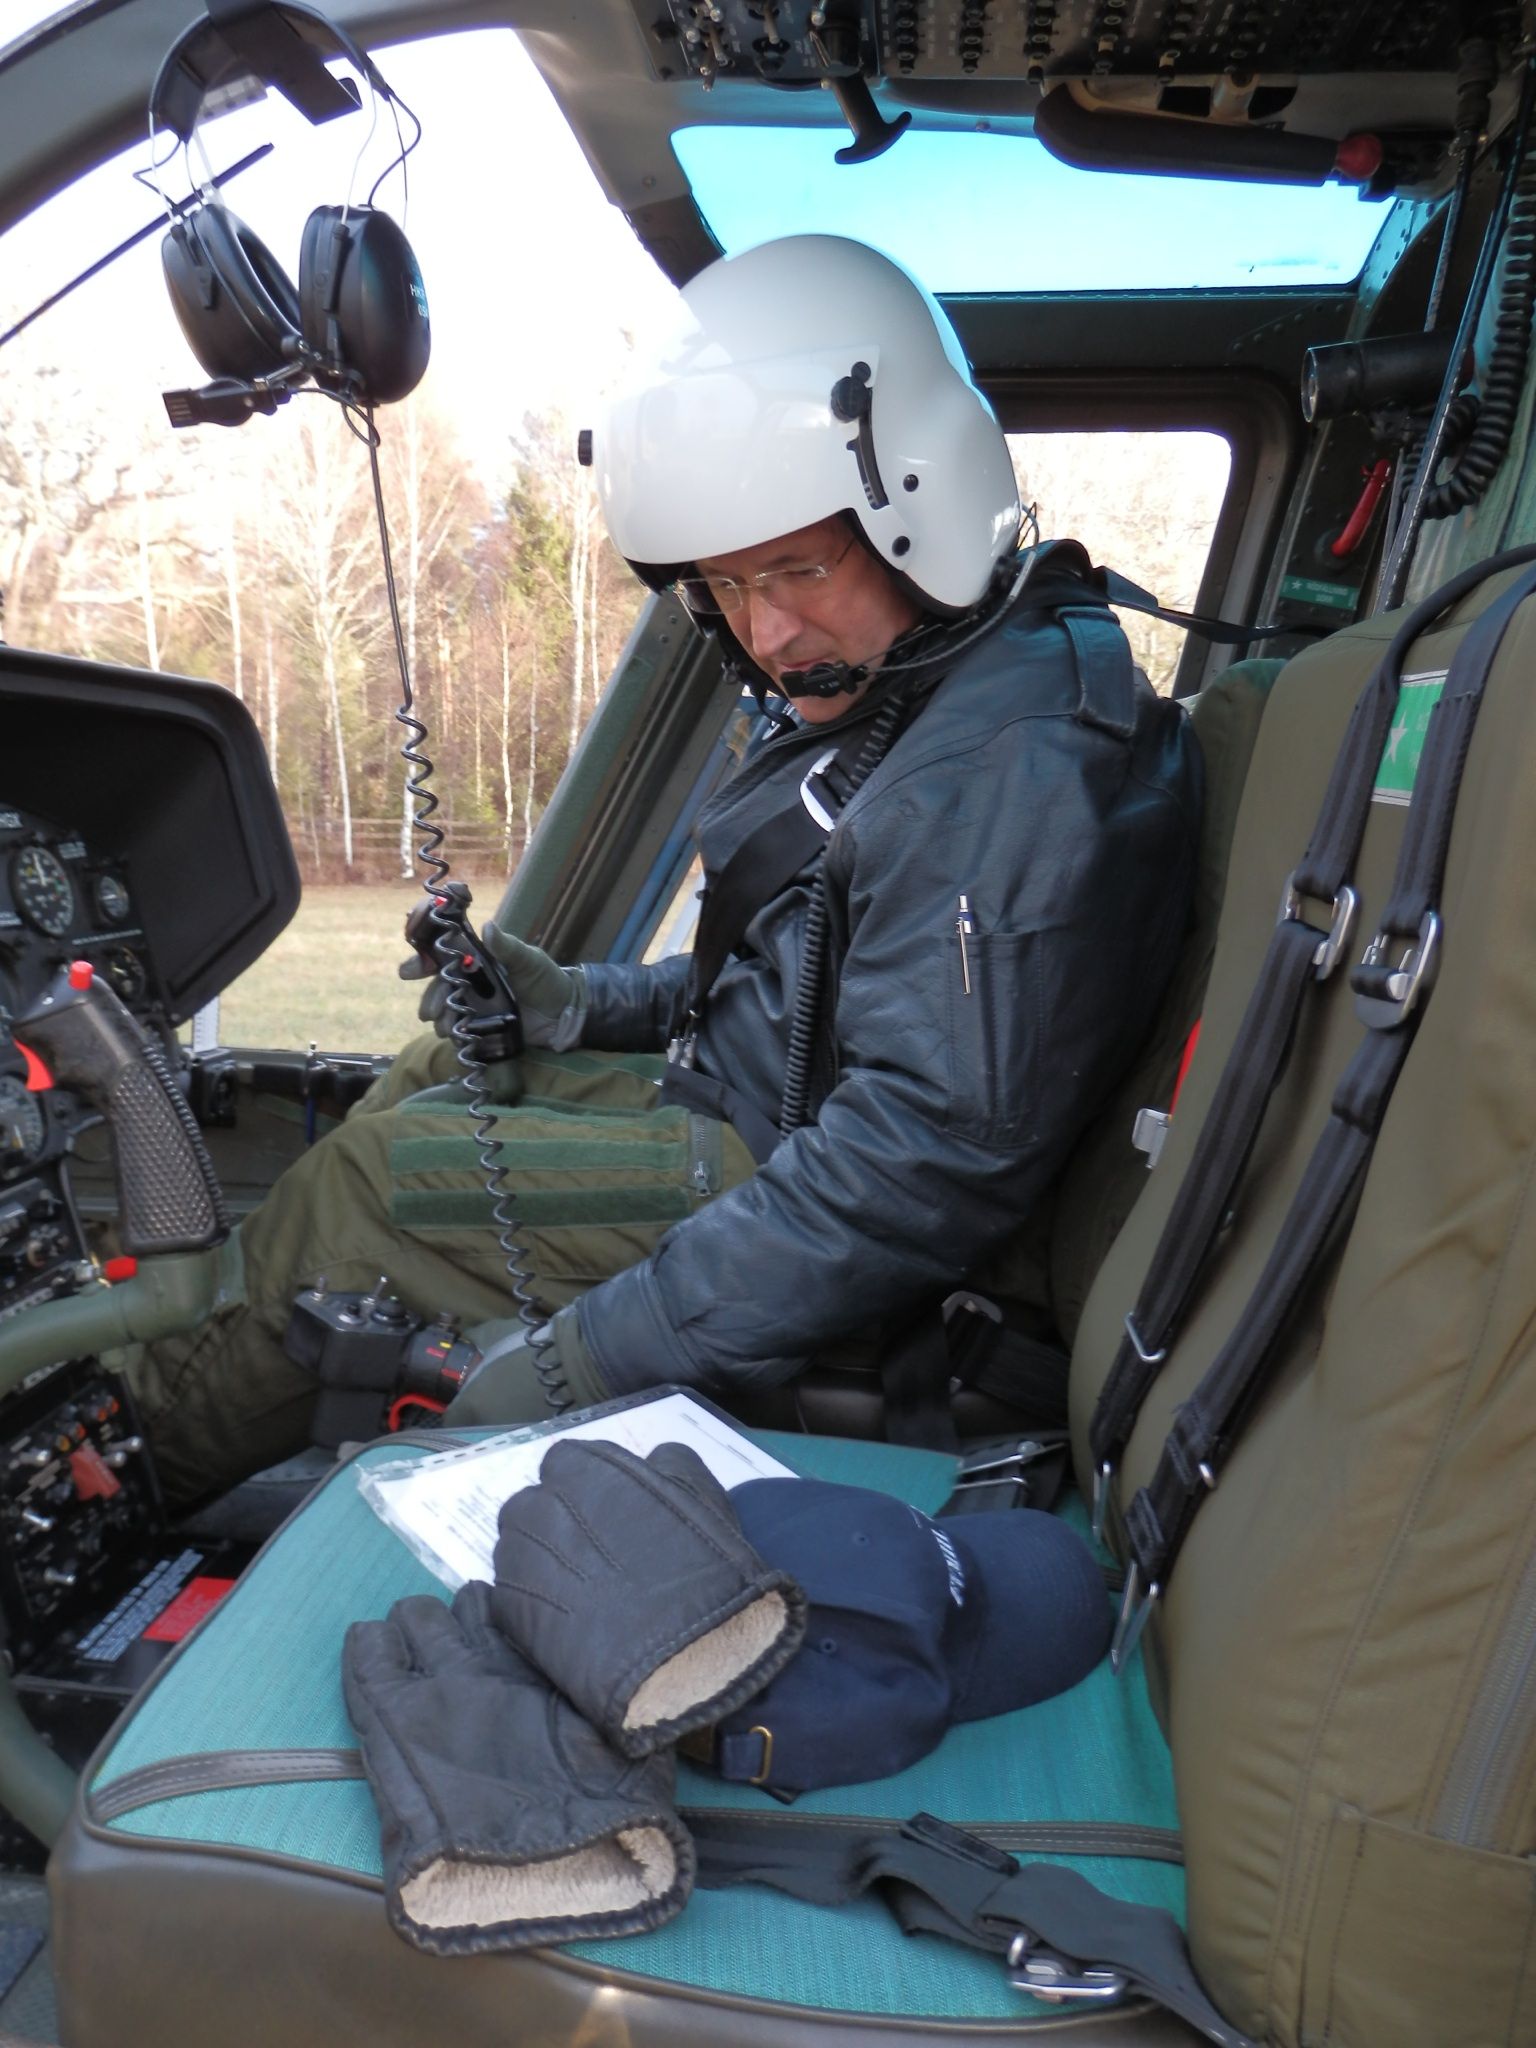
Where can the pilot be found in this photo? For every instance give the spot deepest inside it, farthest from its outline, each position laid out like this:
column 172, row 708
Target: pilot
column 944, row 896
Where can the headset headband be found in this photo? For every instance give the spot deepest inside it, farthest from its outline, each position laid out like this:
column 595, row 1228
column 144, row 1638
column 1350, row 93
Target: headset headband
column 280, row 45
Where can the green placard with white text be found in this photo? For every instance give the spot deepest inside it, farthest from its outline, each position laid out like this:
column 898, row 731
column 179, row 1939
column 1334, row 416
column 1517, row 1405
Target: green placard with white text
column 1405, row 742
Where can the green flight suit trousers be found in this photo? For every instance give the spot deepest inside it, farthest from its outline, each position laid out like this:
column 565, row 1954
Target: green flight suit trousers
column 597, row 1168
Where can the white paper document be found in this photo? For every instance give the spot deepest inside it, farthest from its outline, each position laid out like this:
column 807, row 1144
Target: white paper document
column 445, row 1505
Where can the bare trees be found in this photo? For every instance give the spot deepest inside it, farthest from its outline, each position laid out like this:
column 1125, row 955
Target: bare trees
column 252, row 558
column 57, row 480
column 1143, row 503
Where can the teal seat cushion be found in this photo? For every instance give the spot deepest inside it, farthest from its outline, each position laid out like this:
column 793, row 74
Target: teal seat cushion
column 263, row 1673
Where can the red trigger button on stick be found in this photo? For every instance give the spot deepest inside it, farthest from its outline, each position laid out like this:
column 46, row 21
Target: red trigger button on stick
column 81, row 973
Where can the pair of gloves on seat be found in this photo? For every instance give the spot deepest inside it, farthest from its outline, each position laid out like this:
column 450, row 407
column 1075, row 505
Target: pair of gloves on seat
column 518, row 1743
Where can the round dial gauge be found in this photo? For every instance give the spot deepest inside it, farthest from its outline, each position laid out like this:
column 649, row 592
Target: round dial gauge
column 125, row 971
column 44, row 894
column 111, row 898
column 21, row 1124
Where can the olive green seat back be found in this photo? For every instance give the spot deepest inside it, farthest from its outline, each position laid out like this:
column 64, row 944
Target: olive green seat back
column 1346, row 1655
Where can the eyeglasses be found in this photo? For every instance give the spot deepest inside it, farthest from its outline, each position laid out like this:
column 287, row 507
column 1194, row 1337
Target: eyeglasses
column 782, row 588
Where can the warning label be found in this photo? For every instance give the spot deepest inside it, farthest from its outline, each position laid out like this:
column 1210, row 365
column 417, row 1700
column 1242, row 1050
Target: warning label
column 120, row 1629
column 187, row 1610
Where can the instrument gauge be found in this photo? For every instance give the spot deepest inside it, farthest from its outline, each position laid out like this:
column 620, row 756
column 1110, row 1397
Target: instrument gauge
column 44, row 894
column 22, row 1131
column 125, row 974
column 112, row 899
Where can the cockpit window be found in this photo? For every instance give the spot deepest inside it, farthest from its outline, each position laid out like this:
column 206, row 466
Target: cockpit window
column 998, row 213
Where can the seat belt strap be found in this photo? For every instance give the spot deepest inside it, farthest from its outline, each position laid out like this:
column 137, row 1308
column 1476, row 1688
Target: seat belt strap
column 1299, row 955
column 766, row 861
column 914, row 1383
column 1390, row 998
column 1063, row 1940
column 686, row 1085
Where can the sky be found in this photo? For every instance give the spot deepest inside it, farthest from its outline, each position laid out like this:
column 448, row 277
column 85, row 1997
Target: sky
column 531, row 275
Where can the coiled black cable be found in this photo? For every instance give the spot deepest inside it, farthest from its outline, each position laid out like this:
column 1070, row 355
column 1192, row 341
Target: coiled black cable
column 794, row 1109
column 1488, row 420
column 450, row 955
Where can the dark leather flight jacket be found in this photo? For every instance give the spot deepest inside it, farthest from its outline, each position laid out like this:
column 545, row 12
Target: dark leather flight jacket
column 1044, row 781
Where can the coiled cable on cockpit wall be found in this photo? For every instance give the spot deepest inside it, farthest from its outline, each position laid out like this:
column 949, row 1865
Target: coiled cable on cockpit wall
column 1483, row 424
column 450, row 955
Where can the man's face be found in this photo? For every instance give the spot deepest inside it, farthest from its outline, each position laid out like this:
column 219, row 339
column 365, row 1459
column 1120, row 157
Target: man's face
column 851, row 614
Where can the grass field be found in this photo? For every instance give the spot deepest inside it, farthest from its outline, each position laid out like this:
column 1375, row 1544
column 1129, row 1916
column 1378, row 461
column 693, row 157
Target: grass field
column 331, row 975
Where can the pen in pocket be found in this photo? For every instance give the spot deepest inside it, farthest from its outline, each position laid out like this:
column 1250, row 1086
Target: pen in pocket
column 967, row 930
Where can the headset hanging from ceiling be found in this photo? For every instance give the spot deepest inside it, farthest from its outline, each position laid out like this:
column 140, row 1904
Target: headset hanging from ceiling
column 357, row 320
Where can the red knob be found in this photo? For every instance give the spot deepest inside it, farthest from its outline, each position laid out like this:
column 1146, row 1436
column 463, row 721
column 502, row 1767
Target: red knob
column 81, row 973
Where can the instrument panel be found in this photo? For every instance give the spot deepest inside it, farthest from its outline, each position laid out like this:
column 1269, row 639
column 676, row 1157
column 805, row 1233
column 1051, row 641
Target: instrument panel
column 61, row 899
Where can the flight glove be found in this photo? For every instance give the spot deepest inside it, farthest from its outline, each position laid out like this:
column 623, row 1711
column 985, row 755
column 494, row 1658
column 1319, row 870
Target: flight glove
column 551, row 999
column 629, row 1583
column 506, row 1821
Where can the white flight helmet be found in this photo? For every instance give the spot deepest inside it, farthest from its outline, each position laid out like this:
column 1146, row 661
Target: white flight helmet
column 808, row 377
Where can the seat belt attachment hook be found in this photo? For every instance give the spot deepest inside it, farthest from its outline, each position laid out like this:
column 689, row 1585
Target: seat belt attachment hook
column 1147, row 1357
column 1385, row 995
column 1135, row 1612
column 1341, row 922
column 1046, row 1975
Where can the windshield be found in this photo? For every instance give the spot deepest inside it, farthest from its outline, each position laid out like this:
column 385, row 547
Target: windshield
column 999, row 213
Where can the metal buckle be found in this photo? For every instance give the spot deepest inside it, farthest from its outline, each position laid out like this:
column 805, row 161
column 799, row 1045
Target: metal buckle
column 761, row 1776
column 1341, row 923
column 1135, row 1612
column 1149, row 1133
column 963, row 1301
column 1046, row 1975
column 1147, row 1357
column 681, row 1051
column 991, row 1470
column 824, row 818
column 1384, row 995
column 1102, row 1476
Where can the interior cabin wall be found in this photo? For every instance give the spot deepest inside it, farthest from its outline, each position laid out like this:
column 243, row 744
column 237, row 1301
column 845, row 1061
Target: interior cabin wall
column 1506, row 514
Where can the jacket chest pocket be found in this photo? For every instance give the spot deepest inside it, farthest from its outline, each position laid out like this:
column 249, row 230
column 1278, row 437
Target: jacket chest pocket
column 994, row 1000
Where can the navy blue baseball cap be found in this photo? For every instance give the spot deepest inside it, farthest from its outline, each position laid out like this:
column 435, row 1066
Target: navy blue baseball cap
column 914, row 1625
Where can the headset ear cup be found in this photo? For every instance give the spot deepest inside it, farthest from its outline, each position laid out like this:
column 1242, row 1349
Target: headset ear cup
column 363, row 307
column 236, row 305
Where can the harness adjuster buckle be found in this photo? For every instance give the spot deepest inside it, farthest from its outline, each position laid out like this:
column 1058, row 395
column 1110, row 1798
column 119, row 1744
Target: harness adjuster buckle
column 1149, row 1133
column 682, row 1050
column 1341, row 922
column 811, row 796
column 1385, row 995
column 1103, row 1479
column 1046, row 1975
column 1135, row 1612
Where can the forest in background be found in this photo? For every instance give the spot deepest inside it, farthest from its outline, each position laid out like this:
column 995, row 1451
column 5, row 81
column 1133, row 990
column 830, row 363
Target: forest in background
column 250, row 557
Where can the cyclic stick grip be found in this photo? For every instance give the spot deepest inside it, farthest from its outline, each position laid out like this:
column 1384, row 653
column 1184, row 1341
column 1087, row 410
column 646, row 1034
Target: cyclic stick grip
column 168, row 1195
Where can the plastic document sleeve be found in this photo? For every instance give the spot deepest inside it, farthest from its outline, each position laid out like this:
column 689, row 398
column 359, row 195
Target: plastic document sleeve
column 444, row 1506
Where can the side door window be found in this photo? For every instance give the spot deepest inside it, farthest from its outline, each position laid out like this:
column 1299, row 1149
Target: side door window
column 1146, row 503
